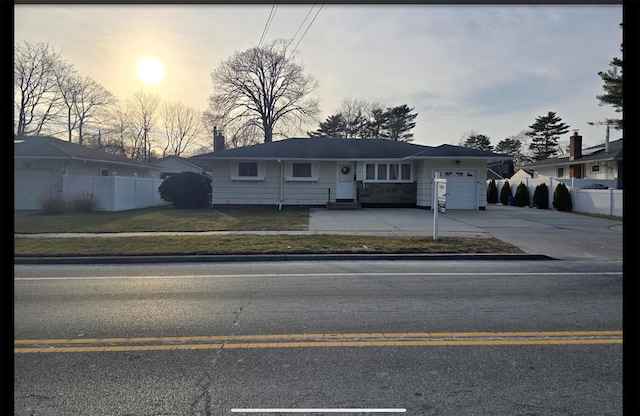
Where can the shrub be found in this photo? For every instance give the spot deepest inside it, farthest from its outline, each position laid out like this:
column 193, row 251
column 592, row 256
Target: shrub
column 492, row 192
column 541, row 196
column 562, row 198
column 522, row 195
column 53, row 205
column 82, row 201
column 505, row 193
column 186, row 190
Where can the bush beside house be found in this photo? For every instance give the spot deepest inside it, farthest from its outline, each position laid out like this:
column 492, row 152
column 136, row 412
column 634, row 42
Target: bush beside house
column 186, row 190
column 492, row 192
column 80, row 201
column 562, row 198
column 522, row 195
column 541, row 196
column 505, row 193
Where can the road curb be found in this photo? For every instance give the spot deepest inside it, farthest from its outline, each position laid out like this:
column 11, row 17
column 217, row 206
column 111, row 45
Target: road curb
column 271, row 257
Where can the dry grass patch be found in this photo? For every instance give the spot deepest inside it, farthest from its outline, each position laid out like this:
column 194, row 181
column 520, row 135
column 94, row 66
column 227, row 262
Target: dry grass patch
column 167, row 218
column 253, row 244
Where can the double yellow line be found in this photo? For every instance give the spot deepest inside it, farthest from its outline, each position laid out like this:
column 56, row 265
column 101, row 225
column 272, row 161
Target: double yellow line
column 402, row 339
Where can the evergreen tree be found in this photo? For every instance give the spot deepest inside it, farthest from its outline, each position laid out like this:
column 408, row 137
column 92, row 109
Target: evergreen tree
column 375, row 125
column 522, row 195
column 478, row 141
column 333, row 126
column 562, row 198
column 509, row 146
column 612, row 87
column 399, row 122
column 544, row 134
column 492, row 192
column 541, row 196
column 505, row 193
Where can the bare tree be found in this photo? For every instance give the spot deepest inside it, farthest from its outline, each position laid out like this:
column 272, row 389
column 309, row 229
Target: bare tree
column 264, row 87
column 36, row 92
column 142, row 116
column 183, row 126
column 68, row 82
column 356, row 115
column 119, row 137
column 84, row 101
column 236, row 133
column 92, row 103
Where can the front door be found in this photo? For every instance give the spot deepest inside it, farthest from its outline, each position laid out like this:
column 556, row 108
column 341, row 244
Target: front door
column 345, row 187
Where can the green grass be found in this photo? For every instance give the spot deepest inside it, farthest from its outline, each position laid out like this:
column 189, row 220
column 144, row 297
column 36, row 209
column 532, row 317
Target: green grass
column 227, row 219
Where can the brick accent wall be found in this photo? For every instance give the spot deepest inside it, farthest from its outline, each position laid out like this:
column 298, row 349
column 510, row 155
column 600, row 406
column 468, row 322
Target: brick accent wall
column 387, row 193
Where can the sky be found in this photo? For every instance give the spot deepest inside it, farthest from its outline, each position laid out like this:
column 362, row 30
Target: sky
column 481, row 69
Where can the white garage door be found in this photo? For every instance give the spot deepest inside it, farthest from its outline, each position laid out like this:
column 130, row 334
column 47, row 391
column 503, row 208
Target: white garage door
column 462, row 188
column 30, row 186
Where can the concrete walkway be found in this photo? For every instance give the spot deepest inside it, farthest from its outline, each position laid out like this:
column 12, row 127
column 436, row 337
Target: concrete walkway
column 562, row 235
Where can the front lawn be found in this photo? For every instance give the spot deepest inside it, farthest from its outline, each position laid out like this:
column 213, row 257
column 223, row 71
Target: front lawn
column 167, row 218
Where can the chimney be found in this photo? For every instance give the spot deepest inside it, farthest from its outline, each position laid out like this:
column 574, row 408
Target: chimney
column 218, row 140
column 575, row 146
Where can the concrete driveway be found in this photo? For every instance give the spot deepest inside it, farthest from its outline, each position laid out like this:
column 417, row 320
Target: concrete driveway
column 561, row 235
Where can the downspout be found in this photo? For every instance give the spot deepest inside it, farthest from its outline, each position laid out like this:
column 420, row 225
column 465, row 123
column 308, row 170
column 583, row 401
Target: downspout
column 211, row 187
column 281, row 185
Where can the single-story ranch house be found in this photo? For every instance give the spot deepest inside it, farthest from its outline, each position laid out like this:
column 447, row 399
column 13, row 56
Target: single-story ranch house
column 366, row 172
column 602, row 161
column 41, row 164
column 171, row 165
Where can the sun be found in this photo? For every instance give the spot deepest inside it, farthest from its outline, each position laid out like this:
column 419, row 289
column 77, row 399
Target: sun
column 150, row 70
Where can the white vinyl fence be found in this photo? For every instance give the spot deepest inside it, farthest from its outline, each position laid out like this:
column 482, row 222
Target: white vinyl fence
column 116, row 193
column 589, row 196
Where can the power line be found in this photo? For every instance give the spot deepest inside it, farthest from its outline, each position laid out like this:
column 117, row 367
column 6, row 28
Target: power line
column 268, row 22
column 301, row 24
column 305, row 32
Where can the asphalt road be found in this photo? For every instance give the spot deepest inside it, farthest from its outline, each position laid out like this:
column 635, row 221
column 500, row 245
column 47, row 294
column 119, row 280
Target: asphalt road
column 432, row 338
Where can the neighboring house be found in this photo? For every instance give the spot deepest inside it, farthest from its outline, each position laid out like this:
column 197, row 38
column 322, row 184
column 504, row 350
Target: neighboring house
column 603, row 161
column 170, row 165
column 522, row 174
column 500, row 170
column 42, row 163
column 367, row 172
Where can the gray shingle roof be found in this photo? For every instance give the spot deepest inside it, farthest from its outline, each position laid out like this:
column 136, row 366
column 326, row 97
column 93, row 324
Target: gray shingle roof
column 447, row 150
column 47, row 147
column 590, row 154
column 335, row 149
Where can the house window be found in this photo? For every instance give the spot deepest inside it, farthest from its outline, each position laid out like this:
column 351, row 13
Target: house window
column 248, row 169
column 370, row 171
column 104, row 172
column 382, row 171
column 387, row 172
column 406, row 172
column 301, row 170
column 595, row 168
column 393, row 172
column 560, row 173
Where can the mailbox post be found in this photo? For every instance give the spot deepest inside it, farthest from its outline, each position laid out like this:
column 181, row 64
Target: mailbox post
column 441, row 202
